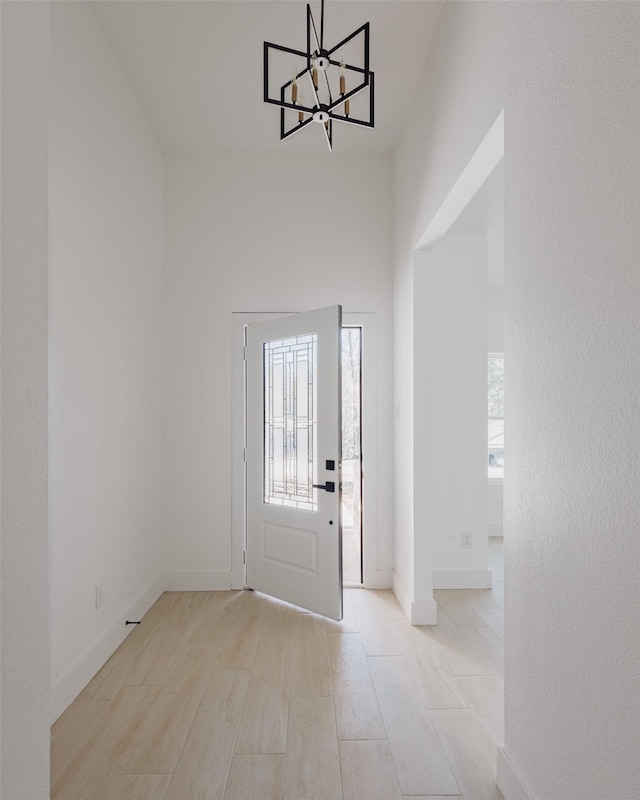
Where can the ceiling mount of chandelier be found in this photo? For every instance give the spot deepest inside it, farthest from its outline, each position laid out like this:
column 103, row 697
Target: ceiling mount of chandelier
column 322, row 84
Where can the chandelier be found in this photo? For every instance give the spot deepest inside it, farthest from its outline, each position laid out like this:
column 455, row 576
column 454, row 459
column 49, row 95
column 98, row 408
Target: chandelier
column 322, row 76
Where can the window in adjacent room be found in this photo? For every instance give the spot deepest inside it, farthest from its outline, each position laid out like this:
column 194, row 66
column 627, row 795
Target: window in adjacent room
column 496, row 416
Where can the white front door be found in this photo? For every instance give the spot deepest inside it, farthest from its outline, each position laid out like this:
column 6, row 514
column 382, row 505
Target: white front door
column 294, row 537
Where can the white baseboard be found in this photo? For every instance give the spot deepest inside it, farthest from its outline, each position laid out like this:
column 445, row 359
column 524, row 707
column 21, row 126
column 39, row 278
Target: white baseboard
column 424, row 612
column 421, row 612
column 401, row 596
column 198, row 581
column 462, row 579
column 510, row 781
column 380, row 579
column 65, row 690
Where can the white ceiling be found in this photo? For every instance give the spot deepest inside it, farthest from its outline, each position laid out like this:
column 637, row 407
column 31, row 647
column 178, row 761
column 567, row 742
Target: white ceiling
column 196, row 67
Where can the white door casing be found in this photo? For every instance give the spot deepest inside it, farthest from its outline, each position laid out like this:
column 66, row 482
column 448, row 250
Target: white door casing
column 293, row 549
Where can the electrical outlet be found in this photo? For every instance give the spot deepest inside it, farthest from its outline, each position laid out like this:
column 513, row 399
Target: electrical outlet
column 465, row 541
column 99, row 595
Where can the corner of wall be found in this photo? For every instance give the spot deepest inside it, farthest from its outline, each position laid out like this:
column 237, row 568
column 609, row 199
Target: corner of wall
column 66, row 689
column 462, row 579
column 198, row 581
column 509, row 780
column 379, row 579
column 418, row 612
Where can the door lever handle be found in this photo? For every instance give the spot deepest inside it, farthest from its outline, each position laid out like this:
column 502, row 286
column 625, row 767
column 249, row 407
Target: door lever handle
column 329, row 486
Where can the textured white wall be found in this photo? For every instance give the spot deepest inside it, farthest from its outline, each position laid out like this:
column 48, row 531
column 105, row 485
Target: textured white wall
column 566, row 75
column 24, row 551
column 259, row 234
column 572, row 305
column 105, row 352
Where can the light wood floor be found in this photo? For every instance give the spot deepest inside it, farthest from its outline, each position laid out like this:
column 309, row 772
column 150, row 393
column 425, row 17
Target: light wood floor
column 234, row 696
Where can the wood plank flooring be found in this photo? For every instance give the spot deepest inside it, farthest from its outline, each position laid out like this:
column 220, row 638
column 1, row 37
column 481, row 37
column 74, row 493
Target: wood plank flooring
column 235, row 696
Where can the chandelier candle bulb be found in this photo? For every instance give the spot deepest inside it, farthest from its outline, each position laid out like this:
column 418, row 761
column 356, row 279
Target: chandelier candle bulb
column 346, row 107
column 294, row 90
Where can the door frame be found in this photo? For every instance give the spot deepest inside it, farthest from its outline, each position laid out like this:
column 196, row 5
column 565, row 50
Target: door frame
column 365, row 320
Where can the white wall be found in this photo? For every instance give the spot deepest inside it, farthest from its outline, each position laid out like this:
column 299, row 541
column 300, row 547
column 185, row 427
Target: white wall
column 572, row 304
column 450, row 340
column 566, row 76
column 495, row 321
column 105, row 353
column 24, row 551
column 248, row 233
column 433, row 151
column 495, row 508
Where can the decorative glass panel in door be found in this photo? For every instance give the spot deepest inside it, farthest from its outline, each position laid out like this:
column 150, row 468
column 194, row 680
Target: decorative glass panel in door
column 290, row 424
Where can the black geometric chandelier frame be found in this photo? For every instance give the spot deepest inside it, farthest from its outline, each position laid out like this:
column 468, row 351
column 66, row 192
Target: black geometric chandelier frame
column 328, row 105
